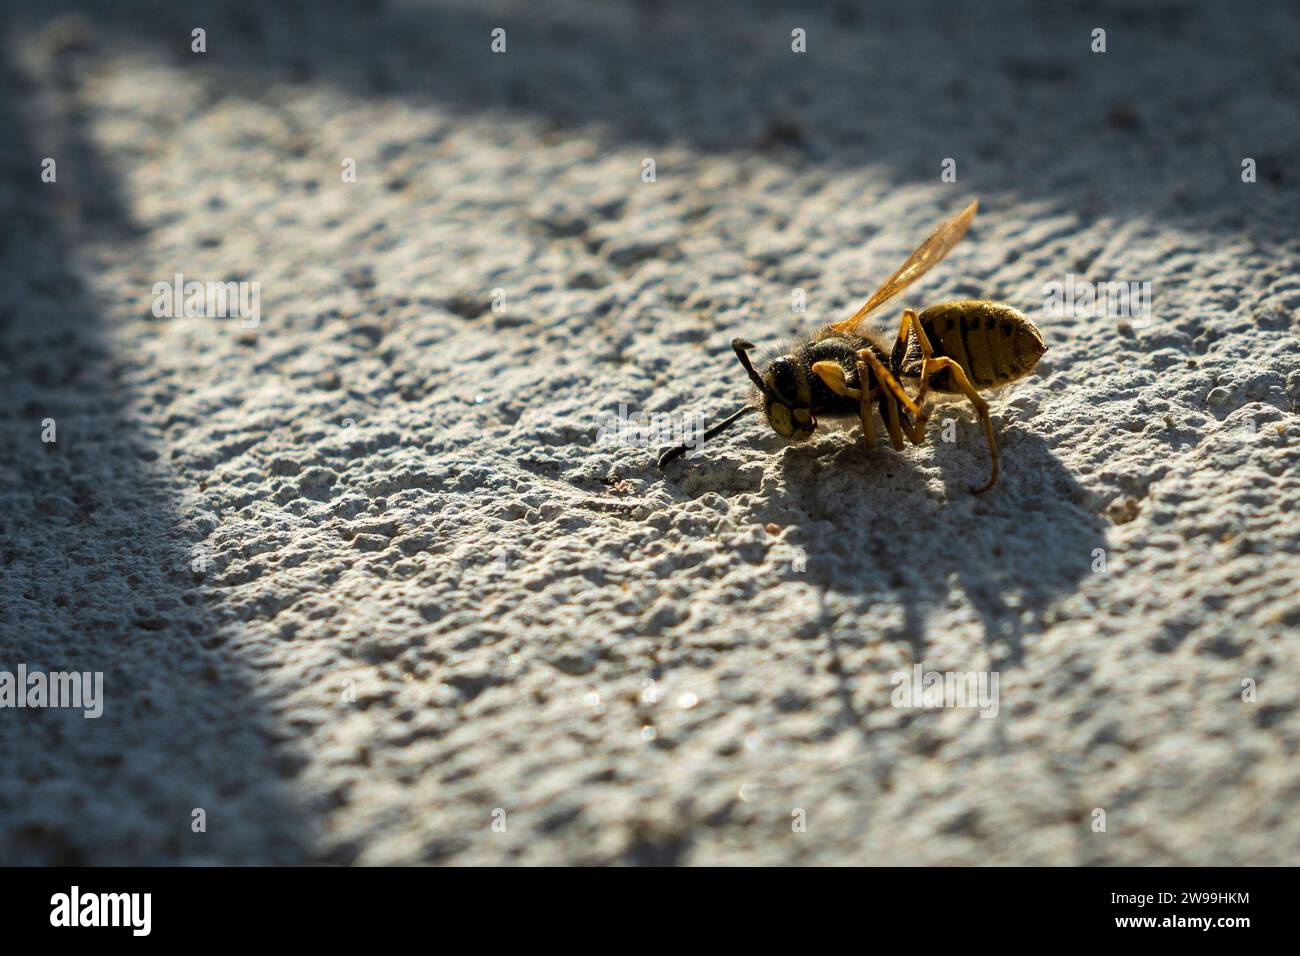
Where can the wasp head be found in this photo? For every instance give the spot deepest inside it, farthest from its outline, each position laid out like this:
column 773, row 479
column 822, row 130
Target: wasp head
column 785, row 393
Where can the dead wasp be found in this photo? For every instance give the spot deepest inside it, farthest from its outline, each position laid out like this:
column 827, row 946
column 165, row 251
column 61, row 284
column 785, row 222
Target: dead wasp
column 953, row 348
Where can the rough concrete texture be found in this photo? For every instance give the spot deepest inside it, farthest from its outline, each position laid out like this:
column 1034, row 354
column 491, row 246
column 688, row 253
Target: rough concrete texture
column 392, row 489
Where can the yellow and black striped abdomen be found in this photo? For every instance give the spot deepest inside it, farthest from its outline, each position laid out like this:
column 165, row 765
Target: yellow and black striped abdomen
column 993, row 342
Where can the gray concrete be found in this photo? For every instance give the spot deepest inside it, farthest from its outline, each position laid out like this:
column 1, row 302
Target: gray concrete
column 390, row 491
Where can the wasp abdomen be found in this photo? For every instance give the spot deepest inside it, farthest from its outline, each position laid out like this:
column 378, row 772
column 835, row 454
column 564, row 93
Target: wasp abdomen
column 993, row 342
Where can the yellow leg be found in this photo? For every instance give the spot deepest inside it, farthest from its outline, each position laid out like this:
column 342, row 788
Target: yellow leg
column 892, row 423
column 958, row 376
column 915, row 431
column 913, row 321
column 833, row 375
column 888, row 405
column 909, row 316
column 887, row 380
column 867, row 415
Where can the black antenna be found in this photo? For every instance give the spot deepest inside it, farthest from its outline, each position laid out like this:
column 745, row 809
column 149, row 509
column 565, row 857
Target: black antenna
column 672, row 454
column 740, row 346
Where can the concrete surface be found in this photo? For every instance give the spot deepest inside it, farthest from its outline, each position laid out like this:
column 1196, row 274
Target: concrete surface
column 363, row 581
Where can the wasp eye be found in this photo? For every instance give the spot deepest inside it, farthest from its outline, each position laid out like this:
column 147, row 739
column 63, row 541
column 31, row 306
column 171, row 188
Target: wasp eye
column 782, row 376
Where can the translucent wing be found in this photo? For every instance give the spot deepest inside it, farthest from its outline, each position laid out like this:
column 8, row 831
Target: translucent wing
column 928, row 255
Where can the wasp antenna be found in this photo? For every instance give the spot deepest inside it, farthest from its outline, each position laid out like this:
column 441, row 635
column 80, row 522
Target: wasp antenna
column 742, row 348
column 672, row 454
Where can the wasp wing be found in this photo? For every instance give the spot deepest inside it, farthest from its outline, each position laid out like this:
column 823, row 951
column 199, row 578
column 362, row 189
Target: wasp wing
column 928, row 255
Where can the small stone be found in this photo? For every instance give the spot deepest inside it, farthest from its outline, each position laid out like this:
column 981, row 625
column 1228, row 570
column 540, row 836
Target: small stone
column 1218, row 397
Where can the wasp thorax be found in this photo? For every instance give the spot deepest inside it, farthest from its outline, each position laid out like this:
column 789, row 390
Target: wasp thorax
column 787, row 399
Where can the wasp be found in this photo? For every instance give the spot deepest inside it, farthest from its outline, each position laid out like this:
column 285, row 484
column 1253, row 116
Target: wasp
column 842, row 371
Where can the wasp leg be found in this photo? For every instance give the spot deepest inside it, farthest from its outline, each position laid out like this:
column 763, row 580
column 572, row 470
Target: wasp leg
column 899, row 424
column 866, row 415
column 913, row 321
column 889, row 405
column 930, row 365
column 915, row 431
column 887, row 381
column 909, row 315
column 832, row 374
column 958, row 376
